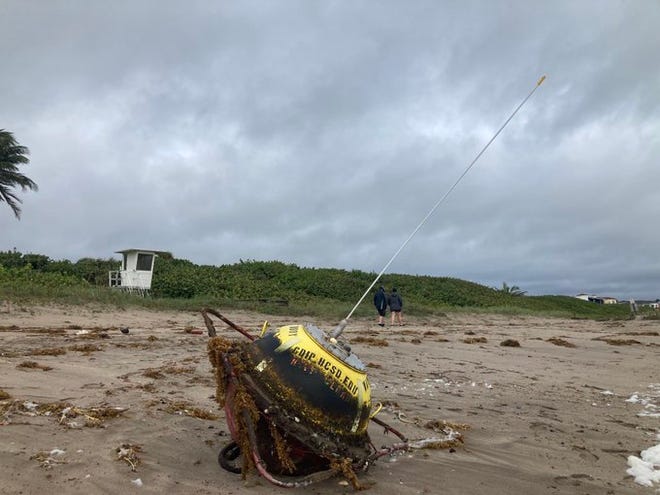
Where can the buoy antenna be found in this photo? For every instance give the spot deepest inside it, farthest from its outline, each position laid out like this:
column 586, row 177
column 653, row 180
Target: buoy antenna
column 340, row 328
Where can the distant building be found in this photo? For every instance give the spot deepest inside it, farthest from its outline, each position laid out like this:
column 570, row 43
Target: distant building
column 597, row 299
column 136, row 272
column 649, row 304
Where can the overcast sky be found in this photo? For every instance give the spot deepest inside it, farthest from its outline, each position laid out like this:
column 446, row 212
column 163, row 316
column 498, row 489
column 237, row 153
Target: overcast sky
column 320, row 133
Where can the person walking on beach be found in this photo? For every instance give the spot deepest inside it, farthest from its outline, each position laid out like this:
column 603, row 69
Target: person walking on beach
column 380, row 301
column 395, row 303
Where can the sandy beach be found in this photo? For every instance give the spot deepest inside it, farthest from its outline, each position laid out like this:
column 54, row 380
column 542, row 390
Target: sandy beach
column 87, row 409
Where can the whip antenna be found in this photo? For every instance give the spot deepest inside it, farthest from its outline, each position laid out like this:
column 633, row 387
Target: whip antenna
column 340, row 328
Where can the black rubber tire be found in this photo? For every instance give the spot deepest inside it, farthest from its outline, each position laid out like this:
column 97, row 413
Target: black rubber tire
column 227, row 454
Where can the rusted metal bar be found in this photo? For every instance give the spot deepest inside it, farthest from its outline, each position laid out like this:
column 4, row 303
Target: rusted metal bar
column 211, row 328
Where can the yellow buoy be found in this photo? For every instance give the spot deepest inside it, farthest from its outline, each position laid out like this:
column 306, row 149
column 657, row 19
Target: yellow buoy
column 321, row 382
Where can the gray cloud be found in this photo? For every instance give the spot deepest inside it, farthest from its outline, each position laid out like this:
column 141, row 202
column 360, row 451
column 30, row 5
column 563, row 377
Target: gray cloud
column 321, row 133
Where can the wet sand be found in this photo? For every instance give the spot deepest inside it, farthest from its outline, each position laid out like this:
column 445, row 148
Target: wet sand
column 551, row 416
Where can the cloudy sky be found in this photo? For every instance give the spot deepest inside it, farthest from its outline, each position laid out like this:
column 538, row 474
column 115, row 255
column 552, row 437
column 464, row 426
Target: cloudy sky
column 321, row 132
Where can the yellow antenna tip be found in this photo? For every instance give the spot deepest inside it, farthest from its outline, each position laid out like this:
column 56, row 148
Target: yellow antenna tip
column 540, row 81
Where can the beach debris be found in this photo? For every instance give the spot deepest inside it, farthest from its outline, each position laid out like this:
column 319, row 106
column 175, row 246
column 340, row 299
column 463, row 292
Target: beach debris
column 560, row 342
column 647, row 333
column 510, row 343
column 297, row 403
column 66, row 412
column 30, row 406
column 48, row 459
column 617, row 341
column 451, row 441
column 91, row 333
column 86, row 349
column 153, row 374
column 137, row 482
column 370, row 341
column 93, row 417
column 452, row 438
column 124, row 330
column 34, row 365
column 172, row 368
column 53, row 351
column 183, row 408
column 475, row 340
column 129, row 454
column 401, row 416
column 39, row 330
column 451, row 430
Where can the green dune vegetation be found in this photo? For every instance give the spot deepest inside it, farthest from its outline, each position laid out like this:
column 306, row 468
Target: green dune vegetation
column 272, row 287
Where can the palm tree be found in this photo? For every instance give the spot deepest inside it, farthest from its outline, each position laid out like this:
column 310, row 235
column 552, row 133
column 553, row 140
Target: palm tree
column 514, row 290
column 11, row 156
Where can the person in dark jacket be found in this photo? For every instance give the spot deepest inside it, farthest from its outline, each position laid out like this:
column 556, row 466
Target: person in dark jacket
column 395, row 303
column 380, row 301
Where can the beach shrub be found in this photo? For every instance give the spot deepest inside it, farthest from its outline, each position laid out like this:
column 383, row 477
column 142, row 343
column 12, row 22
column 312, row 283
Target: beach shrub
column 277, row 287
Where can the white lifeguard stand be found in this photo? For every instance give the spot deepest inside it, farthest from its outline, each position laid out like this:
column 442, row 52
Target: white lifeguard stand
column 137, row 268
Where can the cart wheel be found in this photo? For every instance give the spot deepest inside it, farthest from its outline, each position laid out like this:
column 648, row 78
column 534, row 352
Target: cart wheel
column 229, row 453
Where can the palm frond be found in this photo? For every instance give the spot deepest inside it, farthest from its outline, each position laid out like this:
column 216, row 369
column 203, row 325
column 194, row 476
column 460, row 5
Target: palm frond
column 12, row 155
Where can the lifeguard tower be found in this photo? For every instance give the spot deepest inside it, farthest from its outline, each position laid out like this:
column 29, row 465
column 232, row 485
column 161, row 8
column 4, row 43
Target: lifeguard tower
column 137, row 268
